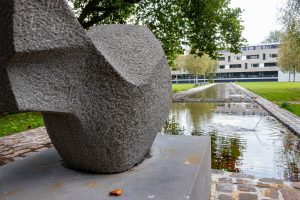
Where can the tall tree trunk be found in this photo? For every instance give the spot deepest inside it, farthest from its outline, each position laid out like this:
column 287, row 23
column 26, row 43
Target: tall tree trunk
column 204, row 78
column 289, row 76
column 294, row 74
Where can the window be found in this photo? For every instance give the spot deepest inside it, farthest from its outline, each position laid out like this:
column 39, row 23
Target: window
column 229, row 59
column 246, row 65
column 264, row 56
column 254, row 64
column 222, row 66
column 222, row 51
column 273, row 55
column 237, row 57
column 251, row 48
column 235, row 66
column 266, row 47
column 273, row 64
column 274, row 46
column 221, row 58
column 249, row 57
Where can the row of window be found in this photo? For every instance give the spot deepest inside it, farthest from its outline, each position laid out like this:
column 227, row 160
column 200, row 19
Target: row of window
column 252, row 48
column 233, row 66
column 248, row 57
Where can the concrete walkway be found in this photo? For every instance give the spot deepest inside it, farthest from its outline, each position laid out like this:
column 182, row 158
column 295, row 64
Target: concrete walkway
column 181, row 95
column 290, row 120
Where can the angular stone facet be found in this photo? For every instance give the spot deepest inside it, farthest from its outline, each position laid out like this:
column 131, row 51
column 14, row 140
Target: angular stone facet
column 104, row 94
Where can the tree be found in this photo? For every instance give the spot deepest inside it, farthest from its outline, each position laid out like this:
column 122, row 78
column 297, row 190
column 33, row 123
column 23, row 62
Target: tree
column 205, row 25
column 197, row 65
column 274, row 36
column 289, row 52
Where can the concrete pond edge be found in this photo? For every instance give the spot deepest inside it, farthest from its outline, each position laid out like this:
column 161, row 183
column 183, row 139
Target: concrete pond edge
column 288, row 119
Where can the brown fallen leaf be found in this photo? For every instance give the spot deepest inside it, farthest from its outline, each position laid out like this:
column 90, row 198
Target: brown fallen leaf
column 117, row 192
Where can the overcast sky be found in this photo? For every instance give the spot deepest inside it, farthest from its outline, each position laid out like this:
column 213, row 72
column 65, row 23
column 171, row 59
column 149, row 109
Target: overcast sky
column 260, row 17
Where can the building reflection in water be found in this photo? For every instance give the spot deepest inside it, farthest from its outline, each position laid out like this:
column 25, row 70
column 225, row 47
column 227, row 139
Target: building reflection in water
column 244, row 138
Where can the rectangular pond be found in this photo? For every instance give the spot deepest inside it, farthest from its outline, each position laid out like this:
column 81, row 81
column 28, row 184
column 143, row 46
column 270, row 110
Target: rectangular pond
column 244, row 137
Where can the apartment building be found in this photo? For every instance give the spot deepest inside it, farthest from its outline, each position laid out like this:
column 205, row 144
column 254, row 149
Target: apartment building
column 254, row 63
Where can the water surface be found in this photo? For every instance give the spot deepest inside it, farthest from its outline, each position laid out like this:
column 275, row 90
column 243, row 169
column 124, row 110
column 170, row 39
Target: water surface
column 244, row 137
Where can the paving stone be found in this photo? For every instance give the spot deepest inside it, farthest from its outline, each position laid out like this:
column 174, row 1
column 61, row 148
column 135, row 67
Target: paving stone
column 243, row 181
column 247, row 196
column 225, row 197
column 225, row 180
column 261, row 184
column 19, row 145
column 246, row 188
column 236, row 175
column 296, row 185
column 271, row 180
column 290, row 194
column 225, row 187
column 213, row 171
column 271, row 193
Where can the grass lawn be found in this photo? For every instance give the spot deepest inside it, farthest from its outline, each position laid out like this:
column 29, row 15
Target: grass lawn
column 285, row 94
column 182, row 87
column 13, row 123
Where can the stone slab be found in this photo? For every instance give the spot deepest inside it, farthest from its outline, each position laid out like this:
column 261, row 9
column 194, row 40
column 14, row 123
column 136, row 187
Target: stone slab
column 178, row 168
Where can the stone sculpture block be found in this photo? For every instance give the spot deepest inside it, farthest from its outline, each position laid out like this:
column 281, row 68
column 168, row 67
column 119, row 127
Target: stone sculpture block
column 104, row 94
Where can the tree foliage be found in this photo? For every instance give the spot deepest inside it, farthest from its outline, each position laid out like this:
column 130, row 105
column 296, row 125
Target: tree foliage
column 274, row 36
column 194, row 64
column 205, row 25
column 95, row 12
column 289, row 53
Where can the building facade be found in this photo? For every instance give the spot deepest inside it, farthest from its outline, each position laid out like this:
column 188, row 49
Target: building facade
column 254, row 63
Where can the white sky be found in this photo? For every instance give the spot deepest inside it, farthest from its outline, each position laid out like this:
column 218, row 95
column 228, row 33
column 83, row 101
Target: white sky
column 259, row 18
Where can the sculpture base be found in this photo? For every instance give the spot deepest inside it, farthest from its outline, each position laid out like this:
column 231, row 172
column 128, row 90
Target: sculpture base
column 178, row 168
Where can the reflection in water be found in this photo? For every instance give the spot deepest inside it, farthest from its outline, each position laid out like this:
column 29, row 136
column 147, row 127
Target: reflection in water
column 244, row 138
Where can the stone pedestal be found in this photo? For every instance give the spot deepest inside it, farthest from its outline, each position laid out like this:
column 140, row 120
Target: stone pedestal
column 178, row 168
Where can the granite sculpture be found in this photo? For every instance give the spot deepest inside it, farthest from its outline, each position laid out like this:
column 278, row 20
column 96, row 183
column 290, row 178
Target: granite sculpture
column 104, row 94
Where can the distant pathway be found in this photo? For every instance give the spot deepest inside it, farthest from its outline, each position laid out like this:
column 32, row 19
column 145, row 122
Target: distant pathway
column 290, row 120
column 183, row 94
